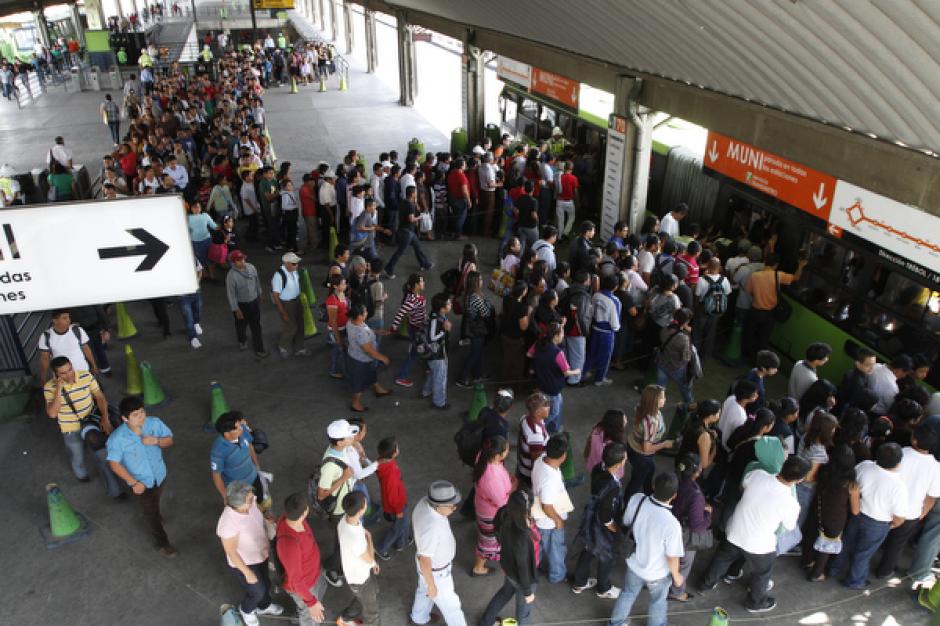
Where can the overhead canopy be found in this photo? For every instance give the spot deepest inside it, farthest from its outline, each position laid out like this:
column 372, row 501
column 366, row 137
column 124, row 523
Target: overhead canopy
column 869, row 66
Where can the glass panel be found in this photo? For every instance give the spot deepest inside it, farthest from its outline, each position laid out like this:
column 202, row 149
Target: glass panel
column 510, row 113
column 530, row 108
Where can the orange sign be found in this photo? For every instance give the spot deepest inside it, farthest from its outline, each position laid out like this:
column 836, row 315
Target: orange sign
column 795, row 184
column 556, row 87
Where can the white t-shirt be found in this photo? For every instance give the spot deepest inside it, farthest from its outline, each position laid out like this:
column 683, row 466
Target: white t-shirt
column 356, row 207
column 884, row 494
column 765, row 504
column 884, row 385
column 658, row 536
column 352, row 545
column 732, row 416
column 669, row 225
column 549, row 487
column 802, row 376
column 66, row 344
column 253, row 545
column 645, row 262
column 406, row 180
column 921, row 473
column 433, row 536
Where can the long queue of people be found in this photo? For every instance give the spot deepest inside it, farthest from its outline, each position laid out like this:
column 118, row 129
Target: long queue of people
column 838, row 470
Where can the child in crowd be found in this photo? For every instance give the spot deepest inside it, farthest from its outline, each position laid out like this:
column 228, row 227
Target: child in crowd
column 394, row 500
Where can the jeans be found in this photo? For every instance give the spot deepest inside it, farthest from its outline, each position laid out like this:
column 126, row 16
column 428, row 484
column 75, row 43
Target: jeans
column 337, row 353
column 99, row 350
column 582, row 570
column 257, row 594
column 458, row 211
column 150, row 505
column 115, row 128
column 761, row 566
column 447, row 601
column 642, row 468
column 564, row 212
column 201, row 251
column 407, row 237
column 553, row 422
column 111, row 483
column 860, row 540
column 473, row 366
column 632, row 586
column 409, row 361
column 368, row 596
column 435, row 385
column 376, row 325
column 685, row 568
column 318, row 589
column 679, row 376
column 292, row 335
column 894, row 545
column 507, row 235
column 527, row 237
column 75, row 446
column 599, row 353
column 398, row 535
column 574, row 352
column 554, row 552
column 7, row 90
column 251, row 318
column 927, row 545
column 289, row 229
column 191, row 308
column 505, row 593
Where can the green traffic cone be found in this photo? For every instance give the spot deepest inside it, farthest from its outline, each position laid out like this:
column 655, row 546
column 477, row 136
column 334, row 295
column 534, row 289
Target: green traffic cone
column 310, row 327
column 218, row 406
column 930, row 598
column 477, row 403
column 306, row 286
column 719, row 617
column 732, row 352
column 65, row 525
column 334, row 241
column 322, row 83
column 153, row 392
column 134, row 386
column 125, row 324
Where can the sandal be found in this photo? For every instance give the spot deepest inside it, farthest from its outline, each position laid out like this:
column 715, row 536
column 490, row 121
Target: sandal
column 476, row 574
column 387, row 392
column 817, row 579
column 687, row 598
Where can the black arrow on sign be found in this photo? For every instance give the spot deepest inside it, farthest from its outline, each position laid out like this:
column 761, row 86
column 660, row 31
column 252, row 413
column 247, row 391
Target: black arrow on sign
column 152, row 248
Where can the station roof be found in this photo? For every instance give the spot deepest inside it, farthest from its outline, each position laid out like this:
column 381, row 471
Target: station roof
column 868, row 66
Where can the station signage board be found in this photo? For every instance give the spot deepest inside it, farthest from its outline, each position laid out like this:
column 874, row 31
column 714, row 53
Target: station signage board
column 79, row 253
column 514, row 72
column 263, row 5
column 613, row 174
column 556, row 87
column 797, row 185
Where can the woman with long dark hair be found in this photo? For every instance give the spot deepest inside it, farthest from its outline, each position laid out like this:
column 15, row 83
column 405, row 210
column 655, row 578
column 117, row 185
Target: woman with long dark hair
column 515, row 323
column 821, row 395
column 693, row 513
column 492, row 486
column 611, row 429
column 413, row 311
column 519, row 558
column 551, row 369
column 478, row 318
column 645, row 439
column 699, row 436
column 837, row 494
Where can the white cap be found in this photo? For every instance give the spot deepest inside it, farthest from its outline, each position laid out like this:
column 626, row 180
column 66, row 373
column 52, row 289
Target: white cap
column 478, row 150
column 556, row 131
column 341, row 429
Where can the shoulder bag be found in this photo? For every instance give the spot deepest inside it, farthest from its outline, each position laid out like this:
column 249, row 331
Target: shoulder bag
column 824, row 544
column 629, row 542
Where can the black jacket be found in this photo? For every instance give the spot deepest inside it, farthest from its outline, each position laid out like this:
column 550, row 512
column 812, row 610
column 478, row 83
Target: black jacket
column 516, row 552
column 580, row 256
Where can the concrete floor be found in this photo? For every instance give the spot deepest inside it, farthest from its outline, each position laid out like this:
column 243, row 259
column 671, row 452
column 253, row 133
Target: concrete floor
column 115, row 577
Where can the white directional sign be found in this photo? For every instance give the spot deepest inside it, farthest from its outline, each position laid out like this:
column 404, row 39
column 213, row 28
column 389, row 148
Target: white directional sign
column 61, row 255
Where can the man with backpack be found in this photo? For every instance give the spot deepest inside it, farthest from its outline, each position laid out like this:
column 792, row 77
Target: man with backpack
column 285, row 293
column 578, row 311
column 711, row 293
column 335, row 480
column 600, row 527
column 63, row 338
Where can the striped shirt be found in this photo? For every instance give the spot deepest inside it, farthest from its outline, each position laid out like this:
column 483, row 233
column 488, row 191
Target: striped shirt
column 413, row 308
column 81, row 396
column 532, row 439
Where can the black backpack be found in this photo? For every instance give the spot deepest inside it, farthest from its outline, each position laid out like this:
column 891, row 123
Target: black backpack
column 592, row 532
column 325, row 507
column 469, row 440
column 363, row 295
column 659, row 274
column 76, row 330
column 715, row 301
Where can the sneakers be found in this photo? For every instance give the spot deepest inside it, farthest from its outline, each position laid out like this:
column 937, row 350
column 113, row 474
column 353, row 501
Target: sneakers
column 611, row 594
column 924, row 583
column 284, row 353
column 603, row 383
column 195, row 343
column 388, row 276
column 272, row 609
column 591, row 582
column 769, row 604
column 302, row 352
column 333, row 578
column 443, row 407
column 463, row 384
column 197, row 328
column 404, row 382
column 250, row 619
column 732, row 577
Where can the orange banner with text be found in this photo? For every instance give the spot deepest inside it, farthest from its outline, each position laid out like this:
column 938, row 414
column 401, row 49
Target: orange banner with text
column 556, row 87
column 795, row 184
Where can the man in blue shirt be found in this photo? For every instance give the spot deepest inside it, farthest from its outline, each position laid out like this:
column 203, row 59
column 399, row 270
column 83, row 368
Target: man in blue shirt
column 135, row 454
column 233, row 457
column 285, row 293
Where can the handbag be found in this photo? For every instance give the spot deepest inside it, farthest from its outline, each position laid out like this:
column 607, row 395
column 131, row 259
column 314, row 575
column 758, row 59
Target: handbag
column 823, row 543
column 218, row 253
column 701, row 540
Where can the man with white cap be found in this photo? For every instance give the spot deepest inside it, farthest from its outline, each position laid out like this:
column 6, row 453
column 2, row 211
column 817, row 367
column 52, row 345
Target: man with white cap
column 336, row 480
column 436, row 548
column 285, row 293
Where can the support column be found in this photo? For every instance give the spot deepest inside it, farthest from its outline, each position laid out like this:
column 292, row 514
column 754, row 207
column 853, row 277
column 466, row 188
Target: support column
column 638, row 147
column 407, row 62
column 94, row 14
column 334, row 23
column 39, row 18
column 322, row 16
column 77, row 23
column 473, row 93
column 372, row 57
column 348, row 26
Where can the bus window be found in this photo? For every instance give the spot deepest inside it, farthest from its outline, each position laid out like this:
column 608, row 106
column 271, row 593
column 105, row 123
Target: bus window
column 564, row 123
column 530, row 108
column 912, row 301
column 510, row 113
column 546, row 123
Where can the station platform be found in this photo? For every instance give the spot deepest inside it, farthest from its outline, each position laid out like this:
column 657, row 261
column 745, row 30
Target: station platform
column 115, row 577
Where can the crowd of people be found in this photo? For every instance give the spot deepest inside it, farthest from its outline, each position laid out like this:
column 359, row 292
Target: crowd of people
column 831, row 472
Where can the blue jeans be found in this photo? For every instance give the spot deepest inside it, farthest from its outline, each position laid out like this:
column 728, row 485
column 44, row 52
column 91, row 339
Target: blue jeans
column 435, row 385
column 473, row 366
column 553, row 422
column 679, row 377
column 458, row 208
column 927, row 545
column 642, row 468
column 201, row 251
column 409, row 361
column 337, row 353
column 398, row 534
column 861, row 539
column 75, row 446
column 111, row 484
column 632, row 586
column 554, row 552
column 191, row 308
column 507, row 235
column 509, row 589
column 407, row 237
column 574, row 353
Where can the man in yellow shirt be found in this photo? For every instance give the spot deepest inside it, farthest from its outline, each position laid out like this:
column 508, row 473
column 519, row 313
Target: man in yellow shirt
column 70, row 397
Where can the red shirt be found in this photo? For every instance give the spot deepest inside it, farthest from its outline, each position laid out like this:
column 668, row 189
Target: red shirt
column 393, row 489
column 691, row 278
column 456, row 179
column 129, row 164
column 342, row 310
column 569, row 184
column 308, row 203
column 300, row 556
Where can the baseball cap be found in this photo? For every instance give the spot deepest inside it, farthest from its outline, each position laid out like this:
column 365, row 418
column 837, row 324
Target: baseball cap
column 290, row 257
column 341, row 429
column 478, row 150
column 236, row 255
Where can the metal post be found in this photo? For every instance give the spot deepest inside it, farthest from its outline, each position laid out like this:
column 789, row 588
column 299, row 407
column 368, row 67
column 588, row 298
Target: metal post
column 474, row 92
column 254, row 24
column 322, row 16
column 348, row 25
column 77, row 23
column 372, row 57
column 334, row 25
column 39, row 17
column 406, row 62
